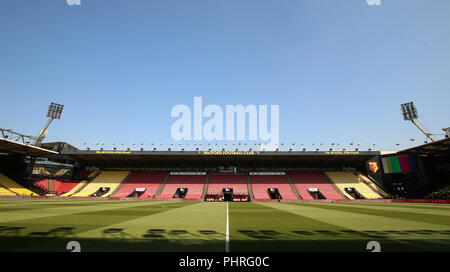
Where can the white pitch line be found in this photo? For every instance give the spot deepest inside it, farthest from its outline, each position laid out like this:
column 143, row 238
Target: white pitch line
column 227, row 237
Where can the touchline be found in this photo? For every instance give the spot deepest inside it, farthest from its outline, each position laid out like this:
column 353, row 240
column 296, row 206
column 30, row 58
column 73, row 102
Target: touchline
column 235, row 117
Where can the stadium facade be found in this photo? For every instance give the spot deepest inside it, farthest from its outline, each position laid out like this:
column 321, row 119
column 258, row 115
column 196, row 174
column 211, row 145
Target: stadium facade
column 59, row 169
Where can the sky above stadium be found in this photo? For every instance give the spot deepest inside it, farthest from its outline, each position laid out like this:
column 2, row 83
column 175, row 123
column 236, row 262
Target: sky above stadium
column 338, row 70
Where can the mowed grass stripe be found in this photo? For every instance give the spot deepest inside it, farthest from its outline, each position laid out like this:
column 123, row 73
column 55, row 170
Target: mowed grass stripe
column 389, row 213
column 428, row 206
column 247, row 219
column 172, row 215
column 376, row 206
column 39, row 202
column 268, row 227
column 71, row 224
column 93, row 218
column 51, row 211
column 194, row 226
column 394, row 234
column 33, row 205
column 354, row 221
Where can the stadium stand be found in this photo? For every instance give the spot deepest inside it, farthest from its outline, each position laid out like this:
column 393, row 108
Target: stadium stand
column 261, row 184
column 80, row 185
column 62, row 186
column 75, row 189
column 194, row 184
column 218, row 181
column 41, row 183
column 106, row 179
column 5, row 192
column 14, row 187
column 345, row 180
column 373, row 185
column 151, row 181
column 306, row 180
column 83, row 175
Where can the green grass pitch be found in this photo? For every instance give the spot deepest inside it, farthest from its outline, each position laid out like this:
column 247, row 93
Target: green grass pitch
column 49, row 224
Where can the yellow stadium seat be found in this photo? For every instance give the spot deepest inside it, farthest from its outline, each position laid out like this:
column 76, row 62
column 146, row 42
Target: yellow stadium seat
column 79, row 185
column 344, row 180
column 4, row 192
column 373, row 184
column 15, row 187
column 109, row 179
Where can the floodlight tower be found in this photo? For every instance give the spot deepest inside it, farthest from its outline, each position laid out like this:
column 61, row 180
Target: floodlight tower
column 409, row 112
column 54, row 112
column 447, row 132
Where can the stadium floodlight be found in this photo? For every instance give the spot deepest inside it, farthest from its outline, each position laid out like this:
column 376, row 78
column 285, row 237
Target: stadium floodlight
column 54, row 112
column 447, row 132
column 409, row 112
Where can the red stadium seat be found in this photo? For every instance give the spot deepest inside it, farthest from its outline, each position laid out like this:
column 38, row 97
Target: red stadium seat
column 194, row 184
column 261, row 183
column 151, row 181
column 305, row 180
column 63, row 186
column 218, row 181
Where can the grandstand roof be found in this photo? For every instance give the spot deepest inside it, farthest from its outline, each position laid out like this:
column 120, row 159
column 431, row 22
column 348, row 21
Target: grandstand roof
column 58, row 146
column 441, row 147
column 23, row 149
column 216, row 158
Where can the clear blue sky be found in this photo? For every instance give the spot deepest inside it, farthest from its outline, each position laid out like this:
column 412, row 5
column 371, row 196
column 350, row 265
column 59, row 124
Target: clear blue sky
column 338, row 69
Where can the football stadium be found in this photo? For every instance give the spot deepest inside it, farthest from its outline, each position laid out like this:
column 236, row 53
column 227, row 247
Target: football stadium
column 113, row 170
column 178, row 200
